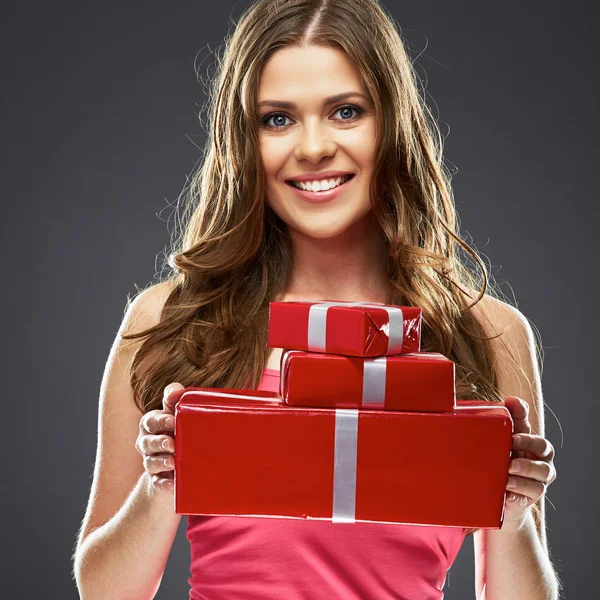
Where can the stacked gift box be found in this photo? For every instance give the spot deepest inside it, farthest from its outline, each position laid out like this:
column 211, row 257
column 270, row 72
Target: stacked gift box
column 365, row 428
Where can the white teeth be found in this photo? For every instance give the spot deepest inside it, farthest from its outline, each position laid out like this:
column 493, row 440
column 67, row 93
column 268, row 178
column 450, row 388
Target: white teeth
column 318, row 186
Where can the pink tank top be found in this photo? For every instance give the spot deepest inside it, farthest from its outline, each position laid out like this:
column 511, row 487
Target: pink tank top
column 255, row 558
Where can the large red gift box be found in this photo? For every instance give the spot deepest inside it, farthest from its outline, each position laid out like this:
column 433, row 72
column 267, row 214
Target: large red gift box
column 246, row 453
column 350, row 328
column 421, row 381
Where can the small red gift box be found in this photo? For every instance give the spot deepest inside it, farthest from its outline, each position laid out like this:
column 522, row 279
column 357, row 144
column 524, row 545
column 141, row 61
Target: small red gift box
column 350, row 328
column 246, row 453
column 422, row 381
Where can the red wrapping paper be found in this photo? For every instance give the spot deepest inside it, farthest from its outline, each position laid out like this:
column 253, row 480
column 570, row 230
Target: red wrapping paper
column 422, row 381
column 350, row 330
column 246, row 453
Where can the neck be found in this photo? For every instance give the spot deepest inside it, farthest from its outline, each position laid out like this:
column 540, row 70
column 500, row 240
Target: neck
column 347, row 267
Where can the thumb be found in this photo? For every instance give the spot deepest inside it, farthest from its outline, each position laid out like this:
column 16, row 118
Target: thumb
column 519, row 410
column 171, row 396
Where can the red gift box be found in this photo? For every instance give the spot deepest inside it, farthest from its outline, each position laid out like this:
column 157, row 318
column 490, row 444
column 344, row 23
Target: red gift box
column 350, row 328
column 421, row 381
column 246, row 453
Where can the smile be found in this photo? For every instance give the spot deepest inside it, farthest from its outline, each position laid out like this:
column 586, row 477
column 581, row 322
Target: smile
column 321, row 186
column 322, row 196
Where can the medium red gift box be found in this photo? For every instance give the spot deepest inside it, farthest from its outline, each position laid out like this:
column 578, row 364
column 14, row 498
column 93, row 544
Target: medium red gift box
column 421, row 381
column 246, row 453
column 350, row 328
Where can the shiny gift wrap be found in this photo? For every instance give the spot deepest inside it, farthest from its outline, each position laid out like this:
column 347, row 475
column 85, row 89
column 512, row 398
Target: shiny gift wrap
column 348, row 328
column 246, row 453
column 421, row 381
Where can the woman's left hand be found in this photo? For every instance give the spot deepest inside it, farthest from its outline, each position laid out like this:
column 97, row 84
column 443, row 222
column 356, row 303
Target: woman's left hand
column 535, row 457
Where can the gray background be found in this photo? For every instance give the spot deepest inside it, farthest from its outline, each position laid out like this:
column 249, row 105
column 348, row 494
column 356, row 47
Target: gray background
column 99, row 123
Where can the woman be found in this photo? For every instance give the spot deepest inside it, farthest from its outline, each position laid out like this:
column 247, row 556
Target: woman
column 311, row 94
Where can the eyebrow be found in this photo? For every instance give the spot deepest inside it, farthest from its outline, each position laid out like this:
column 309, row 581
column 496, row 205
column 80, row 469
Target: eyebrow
column 328, row 101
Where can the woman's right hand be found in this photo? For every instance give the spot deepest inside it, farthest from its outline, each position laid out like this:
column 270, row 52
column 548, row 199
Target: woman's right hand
column 156, row 440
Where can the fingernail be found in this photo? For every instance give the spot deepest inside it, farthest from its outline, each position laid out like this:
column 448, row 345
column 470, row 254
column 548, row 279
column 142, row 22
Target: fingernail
column 518, row 441
column 170, row 388
column 165, row 444
column 170, row 423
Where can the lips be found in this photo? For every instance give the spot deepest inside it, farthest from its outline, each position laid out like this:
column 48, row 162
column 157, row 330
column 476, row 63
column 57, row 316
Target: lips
column 347, row 177
column 320, row 197
column 320, row 175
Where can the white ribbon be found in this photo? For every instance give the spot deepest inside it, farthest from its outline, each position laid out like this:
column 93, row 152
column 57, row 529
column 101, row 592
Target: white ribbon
column 374, row 379
column 344, row 470
column 374, row 376
column 317, row 325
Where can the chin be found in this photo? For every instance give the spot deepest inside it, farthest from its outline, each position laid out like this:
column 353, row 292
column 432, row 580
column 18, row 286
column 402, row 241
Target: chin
column 322, row 233
column 328, row 223
column 324, row 230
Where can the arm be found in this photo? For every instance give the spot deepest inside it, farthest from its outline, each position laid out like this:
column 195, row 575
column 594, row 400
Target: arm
column 125, row 558
column 128, row 530
column 513, row 562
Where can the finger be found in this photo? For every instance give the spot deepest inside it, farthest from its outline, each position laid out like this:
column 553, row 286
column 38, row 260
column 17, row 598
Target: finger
column 157, row 421
column 519, row 410
column 534, row 469
column 171, row 396
column 534, row 490
column 159, row 464
column 534, row 444
column 514, row 498
column 162, row 483
column 157, row 444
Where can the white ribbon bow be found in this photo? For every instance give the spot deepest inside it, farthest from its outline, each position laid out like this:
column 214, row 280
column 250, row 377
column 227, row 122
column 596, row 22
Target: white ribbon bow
column 317, row 325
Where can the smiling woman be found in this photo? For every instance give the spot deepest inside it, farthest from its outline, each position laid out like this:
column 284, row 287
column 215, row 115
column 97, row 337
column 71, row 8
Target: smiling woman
column 323, row 179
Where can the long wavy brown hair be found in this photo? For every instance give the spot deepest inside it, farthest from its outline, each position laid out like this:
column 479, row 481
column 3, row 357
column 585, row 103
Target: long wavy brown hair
column 233, row 254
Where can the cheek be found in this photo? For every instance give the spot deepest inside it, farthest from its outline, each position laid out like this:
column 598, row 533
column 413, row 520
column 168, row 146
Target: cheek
column 364, row 156
column 274, row 154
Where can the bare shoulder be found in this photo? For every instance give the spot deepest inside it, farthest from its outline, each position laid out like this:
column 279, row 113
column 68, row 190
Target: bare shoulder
column 514, row 348
column 515, row 354
column 497, row 316
column 144, row 310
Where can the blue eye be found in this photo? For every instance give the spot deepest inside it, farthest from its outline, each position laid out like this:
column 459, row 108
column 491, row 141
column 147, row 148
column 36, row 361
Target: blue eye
column 273, row 116
column 354, row 108
column 347, row 107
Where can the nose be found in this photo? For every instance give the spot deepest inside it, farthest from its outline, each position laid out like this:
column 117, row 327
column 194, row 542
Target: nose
column 314, row 143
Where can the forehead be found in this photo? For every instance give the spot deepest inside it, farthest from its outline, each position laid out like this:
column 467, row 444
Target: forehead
column 313, row 71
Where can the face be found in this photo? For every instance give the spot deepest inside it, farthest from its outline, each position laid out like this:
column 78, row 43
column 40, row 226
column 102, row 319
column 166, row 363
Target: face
column 311, row 136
